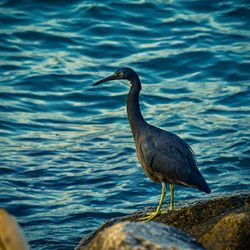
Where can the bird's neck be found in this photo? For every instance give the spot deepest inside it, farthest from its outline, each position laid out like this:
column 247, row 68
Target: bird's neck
column 135, row 118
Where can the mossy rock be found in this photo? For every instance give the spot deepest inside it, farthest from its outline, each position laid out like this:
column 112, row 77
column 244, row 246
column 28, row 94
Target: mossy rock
column 208, row 221
column 231, row 232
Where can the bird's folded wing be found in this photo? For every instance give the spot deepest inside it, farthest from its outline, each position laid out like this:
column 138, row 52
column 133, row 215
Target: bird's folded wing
column 166, row 162
column 171, row 157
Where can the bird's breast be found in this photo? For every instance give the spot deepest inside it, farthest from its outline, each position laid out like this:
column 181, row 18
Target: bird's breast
column 153, row 175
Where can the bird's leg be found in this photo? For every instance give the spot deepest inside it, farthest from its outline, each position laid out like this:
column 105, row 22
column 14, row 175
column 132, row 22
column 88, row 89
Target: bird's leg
column 152, row 215
column 172, row 196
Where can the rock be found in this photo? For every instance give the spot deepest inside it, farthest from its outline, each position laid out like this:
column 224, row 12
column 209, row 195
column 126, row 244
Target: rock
column 137, row 236
column 202, row 219
column 231, row 232
column 11, row 236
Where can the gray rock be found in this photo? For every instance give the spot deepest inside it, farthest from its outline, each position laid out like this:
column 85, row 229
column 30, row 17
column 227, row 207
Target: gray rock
column 140, row 235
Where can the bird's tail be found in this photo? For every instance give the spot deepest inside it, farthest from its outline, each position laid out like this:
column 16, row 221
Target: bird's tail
column 200, row 183
column 205, row 188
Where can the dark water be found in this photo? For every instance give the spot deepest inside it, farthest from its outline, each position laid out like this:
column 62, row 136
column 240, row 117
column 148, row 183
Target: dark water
column 67, row 156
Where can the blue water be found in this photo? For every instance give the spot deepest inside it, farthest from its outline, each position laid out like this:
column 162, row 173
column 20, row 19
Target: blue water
column 67, row 157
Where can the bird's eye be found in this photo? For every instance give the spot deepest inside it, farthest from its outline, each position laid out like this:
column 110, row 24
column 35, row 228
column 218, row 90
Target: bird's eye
column 121, row 73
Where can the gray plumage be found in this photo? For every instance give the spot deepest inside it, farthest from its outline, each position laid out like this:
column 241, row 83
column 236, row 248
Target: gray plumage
column 164, row 156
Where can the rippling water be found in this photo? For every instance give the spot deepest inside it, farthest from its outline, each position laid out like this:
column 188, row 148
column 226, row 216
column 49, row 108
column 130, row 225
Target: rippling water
column 67, row 156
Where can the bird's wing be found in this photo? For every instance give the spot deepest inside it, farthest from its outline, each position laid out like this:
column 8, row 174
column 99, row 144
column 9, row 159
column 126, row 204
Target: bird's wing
column 169, row 155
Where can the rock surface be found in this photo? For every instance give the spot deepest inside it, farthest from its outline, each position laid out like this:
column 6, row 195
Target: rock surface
column 11, row 235
column 219, row 223
column 135, row 236
column 233, row 229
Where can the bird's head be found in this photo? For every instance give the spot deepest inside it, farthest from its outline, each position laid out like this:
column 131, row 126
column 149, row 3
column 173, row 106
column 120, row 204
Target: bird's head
column 122, row 73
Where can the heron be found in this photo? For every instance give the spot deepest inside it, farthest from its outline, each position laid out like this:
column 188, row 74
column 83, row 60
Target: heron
column 164, row 156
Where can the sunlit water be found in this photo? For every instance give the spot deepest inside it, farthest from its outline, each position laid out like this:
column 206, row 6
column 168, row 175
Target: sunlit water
column 68, row 161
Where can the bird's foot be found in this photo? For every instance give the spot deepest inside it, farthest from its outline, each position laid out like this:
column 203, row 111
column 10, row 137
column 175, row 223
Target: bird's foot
column 152, row 215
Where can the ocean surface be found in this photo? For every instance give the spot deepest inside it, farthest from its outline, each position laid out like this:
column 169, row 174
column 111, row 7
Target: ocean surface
column 67, row 156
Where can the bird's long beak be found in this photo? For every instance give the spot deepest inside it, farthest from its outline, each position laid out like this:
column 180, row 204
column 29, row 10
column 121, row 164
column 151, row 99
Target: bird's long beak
column 109, row 78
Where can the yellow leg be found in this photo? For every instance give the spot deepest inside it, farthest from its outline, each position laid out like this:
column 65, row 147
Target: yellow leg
column 158, row 211
column 172, row 196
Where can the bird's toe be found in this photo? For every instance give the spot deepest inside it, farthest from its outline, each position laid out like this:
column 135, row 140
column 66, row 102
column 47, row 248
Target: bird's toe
column 152, row 215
